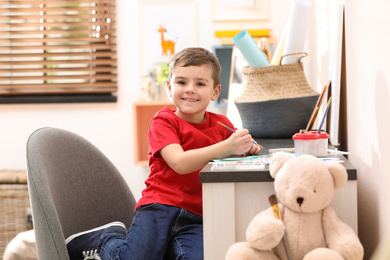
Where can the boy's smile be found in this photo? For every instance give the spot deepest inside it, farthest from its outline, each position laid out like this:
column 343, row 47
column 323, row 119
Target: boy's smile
column 191, row 89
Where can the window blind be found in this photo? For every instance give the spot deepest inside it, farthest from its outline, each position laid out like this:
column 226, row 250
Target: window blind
column 57, row 47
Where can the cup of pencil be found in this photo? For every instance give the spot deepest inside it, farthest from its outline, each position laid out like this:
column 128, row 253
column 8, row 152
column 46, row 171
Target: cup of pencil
column 311, row 142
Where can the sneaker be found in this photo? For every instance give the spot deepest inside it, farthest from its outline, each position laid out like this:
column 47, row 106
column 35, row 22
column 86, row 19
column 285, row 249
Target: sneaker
column 91, row 254
column 84, row 245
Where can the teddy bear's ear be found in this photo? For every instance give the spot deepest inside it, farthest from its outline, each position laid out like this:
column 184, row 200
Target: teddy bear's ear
column 278, row 159
column 339, row 174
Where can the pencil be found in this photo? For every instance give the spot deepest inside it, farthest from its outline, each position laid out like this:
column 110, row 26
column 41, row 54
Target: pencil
column 235, row 131
column 324, row 116
column 316, row 109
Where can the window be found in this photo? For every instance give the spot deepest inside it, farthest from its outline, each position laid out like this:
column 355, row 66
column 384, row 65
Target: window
column 57, row 48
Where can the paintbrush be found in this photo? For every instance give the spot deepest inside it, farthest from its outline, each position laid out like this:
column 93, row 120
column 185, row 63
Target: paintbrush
column 254, row 142
column 324, row 116
column 317, row 108
column 274, row 203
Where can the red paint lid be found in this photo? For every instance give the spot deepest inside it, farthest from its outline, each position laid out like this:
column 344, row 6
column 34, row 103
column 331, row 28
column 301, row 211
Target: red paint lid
column 310, row 135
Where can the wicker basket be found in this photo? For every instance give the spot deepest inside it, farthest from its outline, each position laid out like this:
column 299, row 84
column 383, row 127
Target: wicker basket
column 14, row 205
column 277, row 100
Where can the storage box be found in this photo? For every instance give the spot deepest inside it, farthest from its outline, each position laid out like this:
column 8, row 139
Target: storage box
column 312, row 143
column 14, row 205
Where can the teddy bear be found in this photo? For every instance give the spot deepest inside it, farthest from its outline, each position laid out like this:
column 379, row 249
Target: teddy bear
column 311, row 229
column 22, row 247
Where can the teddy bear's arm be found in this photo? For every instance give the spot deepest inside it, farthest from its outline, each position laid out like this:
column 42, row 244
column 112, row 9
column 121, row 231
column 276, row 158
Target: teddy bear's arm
column 265, row 232
column 340, row 237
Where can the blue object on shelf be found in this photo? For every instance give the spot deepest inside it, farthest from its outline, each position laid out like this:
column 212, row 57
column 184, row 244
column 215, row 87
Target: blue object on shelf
column 249, row 49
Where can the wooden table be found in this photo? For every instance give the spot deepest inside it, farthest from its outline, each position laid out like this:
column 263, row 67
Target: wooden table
column 231, row 198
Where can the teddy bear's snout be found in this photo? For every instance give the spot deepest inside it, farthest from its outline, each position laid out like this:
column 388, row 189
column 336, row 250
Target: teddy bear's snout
column 300, row 201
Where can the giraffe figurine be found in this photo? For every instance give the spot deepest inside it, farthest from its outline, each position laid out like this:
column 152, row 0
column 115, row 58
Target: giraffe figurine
column 167, row 46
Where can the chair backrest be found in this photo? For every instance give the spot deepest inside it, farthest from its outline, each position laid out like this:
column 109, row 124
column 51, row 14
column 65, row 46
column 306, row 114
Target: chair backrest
column 73, row 187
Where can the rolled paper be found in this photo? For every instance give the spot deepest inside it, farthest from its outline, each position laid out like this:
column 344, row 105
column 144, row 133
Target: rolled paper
column 279, row 50
column 249, row 49
column 296, row 30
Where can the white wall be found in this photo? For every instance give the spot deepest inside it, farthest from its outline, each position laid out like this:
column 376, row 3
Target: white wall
column 368, row 113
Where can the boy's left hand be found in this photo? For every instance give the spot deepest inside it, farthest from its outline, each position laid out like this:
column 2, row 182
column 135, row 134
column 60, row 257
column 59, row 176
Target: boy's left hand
column 255, row 149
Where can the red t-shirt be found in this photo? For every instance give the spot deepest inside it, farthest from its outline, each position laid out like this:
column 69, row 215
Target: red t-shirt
column 164, row 185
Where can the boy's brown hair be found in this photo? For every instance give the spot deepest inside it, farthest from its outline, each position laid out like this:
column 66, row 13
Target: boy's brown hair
column 196, row 57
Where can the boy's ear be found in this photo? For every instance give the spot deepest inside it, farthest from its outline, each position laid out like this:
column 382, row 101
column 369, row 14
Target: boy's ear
column 169, row 90
column 216, row 92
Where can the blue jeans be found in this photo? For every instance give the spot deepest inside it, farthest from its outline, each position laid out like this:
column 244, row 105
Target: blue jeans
column 157, row 232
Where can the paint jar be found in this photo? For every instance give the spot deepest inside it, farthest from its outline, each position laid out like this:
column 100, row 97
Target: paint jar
column 312, row 143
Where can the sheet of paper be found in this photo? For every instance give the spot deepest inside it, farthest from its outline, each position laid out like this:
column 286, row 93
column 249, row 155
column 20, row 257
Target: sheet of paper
column 257, row 161
column 335, row 54
column 223, row 166
column 296, row 30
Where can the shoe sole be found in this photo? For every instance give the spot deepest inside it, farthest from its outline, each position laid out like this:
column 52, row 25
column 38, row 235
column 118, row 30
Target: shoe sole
column 116, row 223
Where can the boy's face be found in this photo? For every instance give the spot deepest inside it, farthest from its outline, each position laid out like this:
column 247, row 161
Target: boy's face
column 191, row 89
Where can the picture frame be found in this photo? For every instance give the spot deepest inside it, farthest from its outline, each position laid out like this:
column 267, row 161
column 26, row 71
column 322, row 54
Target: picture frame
column 243, row 10
column 165, row 26
column 236, row 87
column 224, row 55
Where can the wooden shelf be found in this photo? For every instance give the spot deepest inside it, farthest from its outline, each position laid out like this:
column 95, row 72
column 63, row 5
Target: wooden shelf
column 143, row 112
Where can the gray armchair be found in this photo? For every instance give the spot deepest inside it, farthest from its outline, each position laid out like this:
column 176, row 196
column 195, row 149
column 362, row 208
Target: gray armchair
column 73, row 187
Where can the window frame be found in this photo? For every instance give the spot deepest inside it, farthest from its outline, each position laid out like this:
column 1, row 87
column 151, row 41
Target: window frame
column 58, row 51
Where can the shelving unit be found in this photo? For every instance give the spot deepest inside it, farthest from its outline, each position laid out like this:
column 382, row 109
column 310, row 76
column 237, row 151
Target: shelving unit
column 143, row 112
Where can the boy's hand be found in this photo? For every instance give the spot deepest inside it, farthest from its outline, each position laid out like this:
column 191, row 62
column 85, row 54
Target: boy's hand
column 240, row 142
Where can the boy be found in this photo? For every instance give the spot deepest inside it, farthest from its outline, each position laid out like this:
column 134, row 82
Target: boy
column 168, row 217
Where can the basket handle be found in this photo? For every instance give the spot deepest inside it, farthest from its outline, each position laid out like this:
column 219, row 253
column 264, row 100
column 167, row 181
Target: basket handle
column 303, row 55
